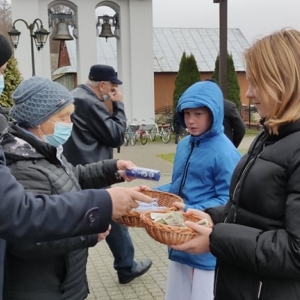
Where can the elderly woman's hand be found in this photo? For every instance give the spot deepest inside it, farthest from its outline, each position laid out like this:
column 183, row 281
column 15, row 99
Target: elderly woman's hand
column 123, row 165
column 103, row 235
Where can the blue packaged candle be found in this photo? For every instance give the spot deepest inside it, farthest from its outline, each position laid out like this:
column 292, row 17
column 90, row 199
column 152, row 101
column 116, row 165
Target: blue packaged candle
column 142, row 173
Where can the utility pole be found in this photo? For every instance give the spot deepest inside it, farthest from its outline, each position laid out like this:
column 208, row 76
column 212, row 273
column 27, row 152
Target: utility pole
column 223, row 45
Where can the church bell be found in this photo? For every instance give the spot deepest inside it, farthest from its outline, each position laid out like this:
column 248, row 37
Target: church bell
column 62, row 32
column 106, row 31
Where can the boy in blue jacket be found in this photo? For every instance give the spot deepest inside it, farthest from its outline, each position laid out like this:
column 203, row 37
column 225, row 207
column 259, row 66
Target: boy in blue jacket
column 203, row 166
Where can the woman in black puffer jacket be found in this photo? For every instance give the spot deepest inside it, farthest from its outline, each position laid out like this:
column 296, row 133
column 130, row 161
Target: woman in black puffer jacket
column 50, row 270
column 256, row 236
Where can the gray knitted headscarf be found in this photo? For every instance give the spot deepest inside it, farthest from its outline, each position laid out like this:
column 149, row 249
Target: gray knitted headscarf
column 37, row 99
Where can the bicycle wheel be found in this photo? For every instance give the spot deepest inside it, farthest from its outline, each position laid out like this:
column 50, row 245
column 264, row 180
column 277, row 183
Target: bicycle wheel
column 133, row 139
column 126, row 139
column 152, row 134
column 144, row 137
column 166, row 135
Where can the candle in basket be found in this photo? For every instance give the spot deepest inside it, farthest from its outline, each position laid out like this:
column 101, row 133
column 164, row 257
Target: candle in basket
column 141, row 173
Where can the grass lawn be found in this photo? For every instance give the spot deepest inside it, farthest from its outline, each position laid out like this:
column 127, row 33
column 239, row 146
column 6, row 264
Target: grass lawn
column 243, row 151
column 251, row 132
column 169, row 157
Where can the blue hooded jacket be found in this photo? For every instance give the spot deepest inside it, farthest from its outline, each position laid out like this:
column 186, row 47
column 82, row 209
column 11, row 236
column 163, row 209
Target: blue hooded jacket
column 203, row 164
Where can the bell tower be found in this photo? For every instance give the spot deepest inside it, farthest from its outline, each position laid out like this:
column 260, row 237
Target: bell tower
column 134, row 46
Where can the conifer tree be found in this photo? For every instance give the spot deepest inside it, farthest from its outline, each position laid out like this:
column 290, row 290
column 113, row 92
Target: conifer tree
column 233, row 87
column 12, row 78
column 187, row 75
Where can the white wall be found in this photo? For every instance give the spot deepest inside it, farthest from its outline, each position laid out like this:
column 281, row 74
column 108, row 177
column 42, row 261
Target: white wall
column 135, row 58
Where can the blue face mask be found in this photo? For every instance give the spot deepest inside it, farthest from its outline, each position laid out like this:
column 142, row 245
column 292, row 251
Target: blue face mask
column 2, row 85
column 62, row 132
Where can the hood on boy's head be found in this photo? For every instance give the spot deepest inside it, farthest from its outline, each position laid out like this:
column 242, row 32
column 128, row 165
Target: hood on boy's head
column 203, row 94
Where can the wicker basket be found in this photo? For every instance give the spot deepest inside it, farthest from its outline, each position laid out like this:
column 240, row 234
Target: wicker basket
column 168, row 234
column 132, row 219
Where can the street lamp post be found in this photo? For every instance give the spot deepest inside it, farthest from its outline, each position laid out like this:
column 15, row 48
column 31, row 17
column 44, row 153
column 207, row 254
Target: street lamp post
column 39, row 37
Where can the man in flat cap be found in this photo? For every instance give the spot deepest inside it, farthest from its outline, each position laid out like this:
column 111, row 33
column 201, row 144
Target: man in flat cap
column 95, row 133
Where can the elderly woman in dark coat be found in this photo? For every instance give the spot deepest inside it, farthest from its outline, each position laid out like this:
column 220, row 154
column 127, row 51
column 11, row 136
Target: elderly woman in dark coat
column 33, row 148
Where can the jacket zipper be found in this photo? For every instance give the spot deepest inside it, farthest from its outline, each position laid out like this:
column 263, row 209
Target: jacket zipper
column 237, row 185
column 216, row 280
column 235, row 214
column 65, row 169
column 234, row 219
column 262, row 140
column 183, row 178
column 186, row 167
column 259, row 290
column 183, row 181
column 75, row 182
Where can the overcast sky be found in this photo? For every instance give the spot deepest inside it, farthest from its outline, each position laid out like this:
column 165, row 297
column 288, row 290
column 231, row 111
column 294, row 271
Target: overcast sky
column 255, row 18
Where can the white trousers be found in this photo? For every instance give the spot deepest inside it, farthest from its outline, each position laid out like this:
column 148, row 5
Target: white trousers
column 186, row 283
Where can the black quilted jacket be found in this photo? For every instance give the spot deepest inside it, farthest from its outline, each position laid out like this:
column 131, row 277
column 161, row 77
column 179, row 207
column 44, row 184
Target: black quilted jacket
column 258, row 243
column 49, row 270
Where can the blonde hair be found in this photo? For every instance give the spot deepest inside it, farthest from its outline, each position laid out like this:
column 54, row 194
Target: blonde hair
column 273, row 65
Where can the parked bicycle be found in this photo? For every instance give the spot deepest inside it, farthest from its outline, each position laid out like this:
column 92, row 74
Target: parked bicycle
column 162, row 131
column 130, row 134
column 141, row 133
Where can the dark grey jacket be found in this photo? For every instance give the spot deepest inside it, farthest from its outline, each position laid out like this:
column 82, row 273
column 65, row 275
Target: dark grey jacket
column 49, row 270
column 234, row 126
column 25, row 217
column 95, row 131
column 4, row 119
column 258, row 244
